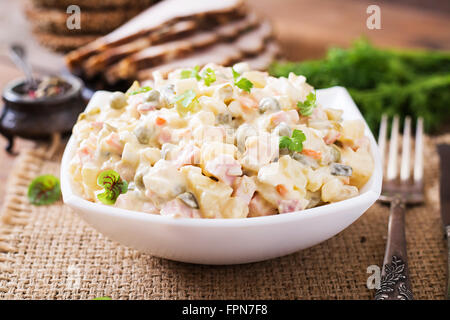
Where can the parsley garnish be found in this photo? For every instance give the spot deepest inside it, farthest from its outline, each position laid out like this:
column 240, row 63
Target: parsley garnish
column 209, row 76
column 294, row 143
column 44, row 189
column 306, row 107
column 191, row 73
column 113, row 184
column 140, row 90
column 241, row 82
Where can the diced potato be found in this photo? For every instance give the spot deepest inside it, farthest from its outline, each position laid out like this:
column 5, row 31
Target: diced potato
column 314, row 140
column 241, row 67
column 352, row 130
column 334, row 114
column 334, row 190
column 213, row 105
column 211, row 195
column 285, row 103
column 164, row 180
column 210, row 150
column 235, row 108
column 362, row 164
column 130, row 154
column 287, row 173
column 315, row 178
column 150, row 155
column 235, row 208
column 184, row 85
column 89, row 175
column 260, row 150
column 258, row 78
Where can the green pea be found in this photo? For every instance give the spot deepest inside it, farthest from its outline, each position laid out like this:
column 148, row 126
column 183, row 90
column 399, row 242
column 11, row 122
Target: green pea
column 118, row 100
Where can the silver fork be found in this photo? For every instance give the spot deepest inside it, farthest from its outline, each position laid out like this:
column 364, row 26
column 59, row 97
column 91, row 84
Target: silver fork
column 399, row 192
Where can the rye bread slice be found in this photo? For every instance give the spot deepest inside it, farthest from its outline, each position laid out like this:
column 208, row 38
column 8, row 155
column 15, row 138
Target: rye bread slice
column 158, row 54
column 53, row 20
column 94, row 4
column 221, row 53
column 151, row 20
column 97, row 63
column 63, row 43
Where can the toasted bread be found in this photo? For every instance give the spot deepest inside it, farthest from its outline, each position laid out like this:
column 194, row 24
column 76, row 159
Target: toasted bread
column 54, row 20
column 162, row 14
column 251, row 41
column 155, row 54
column 90, row 4
column 221, row 53
column 63, row 43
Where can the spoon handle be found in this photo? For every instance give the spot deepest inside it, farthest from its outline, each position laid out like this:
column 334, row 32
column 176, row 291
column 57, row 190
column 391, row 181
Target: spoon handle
column 18, row 57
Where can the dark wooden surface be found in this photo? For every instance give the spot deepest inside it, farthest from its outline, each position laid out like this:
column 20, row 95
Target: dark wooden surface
column 305, row 29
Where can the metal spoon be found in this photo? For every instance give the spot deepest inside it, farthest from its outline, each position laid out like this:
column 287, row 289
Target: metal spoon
column 18, row 56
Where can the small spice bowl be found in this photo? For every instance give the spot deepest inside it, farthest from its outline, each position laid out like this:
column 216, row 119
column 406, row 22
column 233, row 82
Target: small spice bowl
column 39, row 117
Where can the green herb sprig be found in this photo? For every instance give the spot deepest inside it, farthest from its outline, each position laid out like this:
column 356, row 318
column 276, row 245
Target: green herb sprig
column 306, row 107
column 293, row 143
column 44, row 190
column 241, row 82
column 113, row 186
column 140, row 90
column 191, row 73
column 208, row 76
column 406, row 82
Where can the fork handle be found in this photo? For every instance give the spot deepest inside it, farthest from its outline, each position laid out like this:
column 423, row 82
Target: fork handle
column 447, row 232
column 395, row 282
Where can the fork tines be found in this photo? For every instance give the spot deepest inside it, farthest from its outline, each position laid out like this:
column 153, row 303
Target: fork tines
column 392, row 165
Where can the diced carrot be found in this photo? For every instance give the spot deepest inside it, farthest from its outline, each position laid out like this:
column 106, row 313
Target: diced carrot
column 312, row 153
column 160, row 121
column 85, row 151
column 281, row 189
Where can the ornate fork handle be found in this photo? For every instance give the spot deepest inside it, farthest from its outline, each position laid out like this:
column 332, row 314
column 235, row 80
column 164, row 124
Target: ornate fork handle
column 395, row 282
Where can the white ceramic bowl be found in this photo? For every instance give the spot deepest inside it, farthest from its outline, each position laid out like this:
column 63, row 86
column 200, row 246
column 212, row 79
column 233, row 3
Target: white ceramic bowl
column 228, row 241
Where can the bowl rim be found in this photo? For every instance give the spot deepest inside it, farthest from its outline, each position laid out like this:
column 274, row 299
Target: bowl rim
column 368, row 196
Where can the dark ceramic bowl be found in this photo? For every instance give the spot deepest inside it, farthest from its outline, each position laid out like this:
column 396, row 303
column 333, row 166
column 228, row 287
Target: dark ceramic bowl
column 39, row 118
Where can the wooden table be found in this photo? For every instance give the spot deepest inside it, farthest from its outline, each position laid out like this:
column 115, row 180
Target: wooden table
column 305, row 29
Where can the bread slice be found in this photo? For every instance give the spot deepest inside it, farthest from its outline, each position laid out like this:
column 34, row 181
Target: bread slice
column 157, row 54
column 63, row 43
column 97, row 63
column 162, row 14
column 94, row 4
column 249, row 44
column 53, row 20
column 166, row 53
column 263, row 60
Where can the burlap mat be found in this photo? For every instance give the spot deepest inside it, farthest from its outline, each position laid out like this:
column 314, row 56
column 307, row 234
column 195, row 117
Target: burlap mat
column 50, row 253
